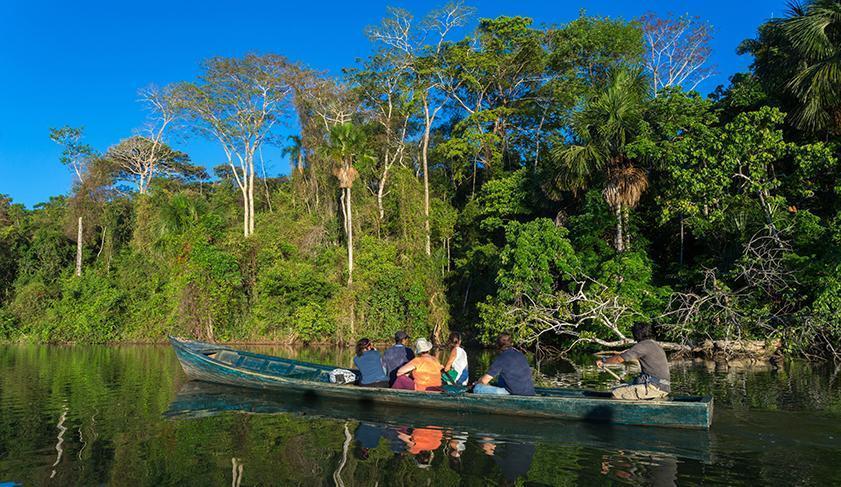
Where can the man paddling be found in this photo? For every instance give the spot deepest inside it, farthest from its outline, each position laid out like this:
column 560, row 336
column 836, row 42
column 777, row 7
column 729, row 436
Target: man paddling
column 654, row 381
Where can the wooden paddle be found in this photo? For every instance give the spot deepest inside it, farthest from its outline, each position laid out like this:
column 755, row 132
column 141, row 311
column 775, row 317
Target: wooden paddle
column 611, row 372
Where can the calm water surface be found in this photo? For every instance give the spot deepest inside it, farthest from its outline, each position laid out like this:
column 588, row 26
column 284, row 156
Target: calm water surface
column 128, row 416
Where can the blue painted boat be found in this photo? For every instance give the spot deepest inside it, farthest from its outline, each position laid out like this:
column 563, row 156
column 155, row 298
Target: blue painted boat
column 224, row 365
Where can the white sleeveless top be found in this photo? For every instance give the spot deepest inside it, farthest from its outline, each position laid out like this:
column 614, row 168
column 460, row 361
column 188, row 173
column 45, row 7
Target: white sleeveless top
column 460, row 366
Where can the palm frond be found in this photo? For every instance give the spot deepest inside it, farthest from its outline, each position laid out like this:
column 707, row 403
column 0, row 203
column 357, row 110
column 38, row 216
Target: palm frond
column 625, row 187
column 576, row 165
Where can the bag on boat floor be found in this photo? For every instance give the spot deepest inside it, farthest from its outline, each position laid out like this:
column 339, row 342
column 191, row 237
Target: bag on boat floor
column 342, row 376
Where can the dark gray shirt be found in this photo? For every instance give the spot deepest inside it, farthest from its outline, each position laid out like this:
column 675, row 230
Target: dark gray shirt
column 652, row 360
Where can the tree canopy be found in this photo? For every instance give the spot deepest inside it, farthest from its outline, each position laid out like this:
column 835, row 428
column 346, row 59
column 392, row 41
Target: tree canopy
column 555, row 181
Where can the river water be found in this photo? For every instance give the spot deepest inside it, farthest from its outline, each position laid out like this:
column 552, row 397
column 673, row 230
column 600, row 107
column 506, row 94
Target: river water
column 127, row 416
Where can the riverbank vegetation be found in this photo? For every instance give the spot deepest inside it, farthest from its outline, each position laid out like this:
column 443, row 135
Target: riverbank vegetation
column 563, row 182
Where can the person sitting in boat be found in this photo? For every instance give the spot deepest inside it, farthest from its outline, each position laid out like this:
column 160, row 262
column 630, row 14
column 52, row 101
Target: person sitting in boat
column 370, row 365
column 654, row 381
column 424, row 368
column 398, row 355
column 455, row 370
column 510, row 368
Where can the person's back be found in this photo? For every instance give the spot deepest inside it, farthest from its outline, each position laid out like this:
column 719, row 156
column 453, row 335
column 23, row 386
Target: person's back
column 512, row 370
column 397, row 355
column 455, row 370
column 370, row 365
column 653, row 362
column 427, row 372
column 460, row 366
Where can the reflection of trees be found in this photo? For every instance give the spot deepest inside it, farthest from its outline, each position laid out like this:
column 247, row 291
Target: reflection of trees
column 236, row 472
column 59, row 439
column 337, row 475
column 116, row 396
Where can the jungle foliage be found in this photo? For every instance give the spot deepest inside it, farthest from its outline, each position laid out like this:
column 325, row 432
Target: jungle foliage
column 519, row 178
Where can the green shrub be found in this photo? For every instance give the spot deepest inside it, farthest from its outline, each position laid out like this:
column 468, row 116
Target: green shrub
column 89, row 310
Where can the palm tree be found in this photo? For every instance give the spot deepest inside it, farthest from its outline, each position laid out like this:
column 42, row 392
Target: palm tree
column 798, row 60
column 814, row 31
column 346, row 145
column 295, row 151
column 611, row 119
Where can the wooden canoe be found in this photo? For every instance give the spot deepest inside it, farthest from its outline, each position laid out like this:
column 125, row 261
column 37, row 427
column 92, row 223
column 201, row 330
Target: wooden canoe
column 223, row 365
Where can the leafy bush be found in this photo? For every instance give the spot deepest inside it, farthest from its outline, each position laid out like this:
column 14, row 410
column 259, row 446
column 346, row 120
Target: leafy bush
column 9, row 327
column 88, row 310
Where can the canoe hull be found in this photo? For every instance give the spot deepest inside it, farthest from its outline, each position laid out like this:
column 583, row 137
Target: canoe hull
column 197, row 360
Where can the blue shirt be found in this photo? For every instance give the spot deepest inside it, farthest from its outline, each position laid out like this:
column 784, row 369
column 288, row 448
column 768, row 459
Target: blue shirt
column 513, row 372
column 395, row 357
column 370, row 366
column 368, row 435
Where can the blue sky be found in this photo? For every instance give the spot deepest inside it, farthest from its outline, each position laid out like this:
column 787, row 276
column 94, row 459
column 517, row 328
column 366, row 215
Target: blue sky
column 82, row 62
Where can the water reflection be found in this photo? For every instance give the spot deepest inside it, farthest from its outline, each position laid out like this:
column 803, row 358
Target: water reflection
column 236, row 472
column 434, row 439
column 59, row 439
column 641, row 469
column 771, row 427
column 422, row 445
column 201, row 399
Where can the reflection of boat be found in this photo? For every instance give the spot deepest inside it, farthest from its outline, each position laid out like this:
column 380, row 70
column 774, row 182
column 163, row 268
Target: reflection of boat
column 220, row 364
column 201, row 399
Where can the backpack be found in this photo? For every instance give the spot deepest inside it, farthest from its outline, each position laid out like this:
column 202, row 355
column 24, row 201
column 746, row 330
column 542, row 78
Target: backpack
column 342, row 376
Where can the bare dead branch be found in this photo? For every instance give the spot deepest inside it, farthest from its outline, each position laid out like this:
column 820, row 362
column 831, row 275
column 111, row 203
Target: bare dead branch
column 678, row 50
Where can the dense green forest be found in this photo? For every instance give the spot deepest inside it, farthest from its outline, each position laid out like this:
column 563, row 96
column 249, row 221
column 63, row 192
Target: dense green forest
column 562, row 182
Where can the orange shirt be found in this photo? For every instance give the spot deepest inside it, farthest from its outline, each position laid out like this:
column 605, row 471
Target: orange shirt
column 425, row 439
column 427, row 372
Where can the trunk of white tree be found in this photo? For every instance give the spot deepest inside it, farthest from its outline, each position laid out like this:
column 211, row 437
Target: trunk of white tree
column 620, row 240
column 79, row 249
column 381, row 190
column 245, row 219
column 424, row 158
column 349, row 218
column 251, row 196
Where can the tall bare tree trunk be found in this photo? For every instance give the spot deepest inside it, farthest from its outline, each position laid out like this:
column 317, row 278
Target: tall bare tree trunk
column 251, row 196
column 349, row 217
column 79, row 249
column 381, row 191
column 244, row 190
column 626, row 215
column 620, row 240
column 343, row 207
column 425, row 152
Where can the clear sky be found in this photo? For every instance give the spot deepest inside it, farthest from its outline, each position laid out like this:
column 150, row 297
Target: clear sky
column 81, row 62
